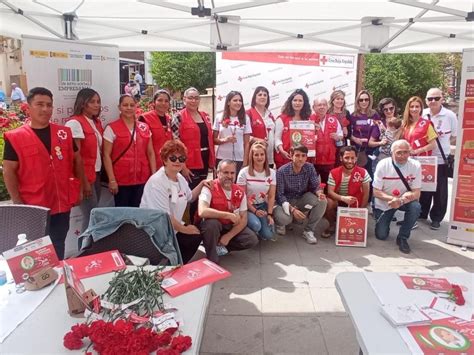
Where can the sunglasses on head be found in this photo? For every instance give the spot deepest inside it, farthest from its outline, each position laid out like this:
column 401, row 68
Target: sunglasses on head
column 173, row 158
column 387, row 109
column 437, row 98
column 364, row 100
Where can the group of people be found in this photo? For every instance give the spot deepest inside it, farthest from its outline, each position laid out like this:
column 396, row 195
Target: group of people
column 264, row 180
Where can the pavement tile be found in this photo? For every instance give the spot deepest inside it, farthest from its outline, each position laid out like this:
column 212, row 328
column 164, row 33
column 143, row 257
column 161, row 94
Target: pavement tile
column 293, row 335
column 235, row 301
column 233, row 335
column 286, row 301
column 323, row 277
column 327, row 300
column 339, row 335
column 279, row 275
column 243, row 274
column 433, row 257
column 282, row 251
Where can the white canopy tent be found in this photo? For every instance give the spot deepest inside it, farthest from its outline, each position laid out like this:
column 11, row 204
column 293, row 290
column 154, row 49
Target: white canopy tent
column 393, row 26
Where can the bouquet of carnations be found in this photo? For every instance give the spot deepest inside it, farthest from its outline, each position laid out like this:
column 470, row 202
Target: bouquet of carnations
column 130, row 318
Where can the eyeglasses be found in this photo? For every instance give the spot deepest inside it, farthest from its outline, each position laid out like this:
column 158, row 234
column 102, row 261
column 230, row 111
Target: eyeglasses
column 437, row 98
column 399, row 153
column 387, row 109
column 173, row 158
column 364, row 100
column 193, row 98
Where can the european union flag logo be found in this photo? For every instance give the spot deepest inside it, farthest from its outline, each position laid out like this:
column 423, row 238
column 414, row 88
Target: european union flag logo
column 88, row 56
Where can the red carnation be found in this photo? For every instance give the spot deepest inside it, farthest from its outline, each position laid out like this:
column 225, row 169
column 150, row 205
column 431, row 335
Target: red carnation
column 72, row 341
column 181, row 343
column 167, row 352
column 456, row 295
column 225, row 122
column 162, row 339
column 396, row 192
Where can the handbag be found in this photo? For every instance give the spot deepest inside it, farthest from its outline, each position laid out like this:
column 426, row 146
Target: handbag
column 104, row 178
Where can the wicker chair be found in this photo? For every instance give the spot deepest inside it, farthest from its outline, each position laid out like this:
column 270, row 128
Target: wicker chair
column 129, row 240
column 16, row 219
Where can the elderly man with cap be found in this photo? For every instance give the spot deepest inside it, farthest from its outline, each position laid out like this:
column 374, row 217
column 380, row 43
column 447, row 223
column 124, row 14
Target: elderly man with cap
column 17, row 94
column 397, row 186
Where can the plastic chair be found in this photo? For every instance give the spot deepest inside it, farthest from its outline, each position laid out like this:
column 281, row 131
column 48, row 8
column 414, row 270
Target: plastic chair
column 16, row 219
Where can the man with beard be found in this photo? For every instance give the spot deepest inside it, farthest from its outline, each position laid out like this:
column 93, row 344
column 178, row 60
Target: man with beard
column 397, row 186
column 224, row 212
column 299, row 195
column 348, row 185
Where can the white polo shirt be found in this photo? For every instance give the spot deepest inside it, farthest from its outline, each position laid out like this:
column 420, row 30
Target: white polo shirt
column 387, row 179
column 446, row 125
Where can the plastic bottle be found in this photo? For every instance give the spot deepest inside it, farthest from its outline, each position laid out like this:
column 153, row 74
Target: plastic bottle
column 21, row 239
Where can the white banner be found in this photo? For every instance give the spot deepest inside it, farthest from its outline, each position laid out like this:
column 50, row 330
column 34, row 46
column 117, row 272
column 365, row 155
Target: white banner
column 65, row 67
column 461, row 218
column 282, row 73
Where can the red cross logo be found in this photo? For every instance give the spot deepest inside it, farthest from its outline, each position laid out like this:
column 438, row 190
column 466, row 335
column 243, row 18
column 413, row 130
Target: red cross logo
column 274, row 83
column 238, row 194
column 77, row 232
column 324, row 60
column 220, row 97
column 269, row 181
column 62, row 134
column 410, row 178
column 307, row 85
column 240, row 78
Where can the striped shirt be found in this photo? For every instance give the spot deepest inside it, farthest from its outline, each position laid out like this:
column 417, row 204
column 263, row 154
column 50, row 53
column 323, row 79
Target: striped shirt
column 344, row 187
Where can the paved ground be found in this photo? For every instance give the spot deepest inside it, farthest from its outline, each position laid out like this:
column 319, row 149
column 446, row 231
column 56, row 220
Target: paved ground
column 281, row 298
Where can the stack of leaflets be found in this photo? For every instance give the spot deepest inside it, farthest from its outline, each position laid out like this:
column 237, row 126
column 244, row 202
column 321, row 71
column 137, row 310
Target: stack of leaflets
column 403, row 315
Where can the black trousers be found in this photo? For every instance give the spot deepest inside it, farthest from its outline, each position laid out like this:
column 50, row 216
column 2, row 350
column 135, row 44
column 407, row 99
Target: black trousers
column 129, row 196
column 58, row 227
column 437, row 211
column 188, row 244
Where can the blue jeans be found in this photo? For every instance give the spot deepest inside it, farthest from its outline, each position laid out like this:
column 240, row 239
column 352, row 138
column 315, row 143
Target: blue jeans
column 260, row 224
column 383, row 218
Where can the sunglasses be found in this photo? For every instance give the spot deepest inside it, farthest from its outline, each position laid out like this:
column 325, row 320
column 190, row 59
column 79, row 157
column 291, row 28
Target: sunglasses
column 364, row 100
column 437, row 98
column 387, row 109
column 173, row 158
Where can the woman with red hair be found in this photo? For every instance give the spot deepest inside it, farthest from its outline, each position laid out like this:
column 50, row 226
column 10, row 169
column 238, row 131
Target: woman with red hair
column 167, row 190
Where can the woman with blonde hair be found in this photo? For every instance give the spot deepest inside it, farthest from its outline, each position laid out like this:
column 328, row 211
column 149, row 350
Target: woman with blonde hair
column 416, row 130
column 259, row 182
column 337, row 107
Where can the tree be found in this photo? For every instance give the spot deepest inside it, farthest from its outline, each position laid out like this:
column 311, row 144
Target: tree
column 401, row 76
column 179, row 70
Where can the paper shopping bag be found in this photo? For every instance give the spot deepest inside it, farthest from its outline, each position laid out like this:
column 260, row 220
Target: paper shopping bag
column 351, row 227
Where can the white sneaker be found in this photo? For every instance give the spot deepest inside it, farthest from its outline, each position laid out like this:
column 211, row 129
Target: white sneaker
column 281, row 230
column 221, row 250
column 309, row 236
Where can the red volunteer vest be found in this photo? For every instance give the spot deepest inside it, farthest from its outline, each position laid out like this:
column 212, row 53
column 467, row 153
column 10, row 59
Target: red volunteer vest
column 355, row 182
column 259, row 130
column 417, row 136
column 325, row 145
column 220, row 202
column 285, row 138
column 190, row 135
column 133, row 168
column 159, row 134
column 89, row 146
column 46, row 178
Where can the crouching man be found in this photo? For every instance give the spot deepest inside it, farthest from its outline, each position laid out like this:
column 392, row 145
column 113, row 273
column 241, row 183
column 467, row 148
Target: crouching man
column 224, row 213
column 299, row 194
column 397, row 186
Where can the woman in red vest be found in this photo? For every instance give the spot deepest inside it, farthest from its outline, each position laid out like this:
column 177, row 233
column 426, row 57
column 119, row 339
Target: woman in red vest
column 416, row 130
column 262, row 120
column 87, row 132
column 129, row 158
column 193, row 128
column 296, row 108
column 159, row 122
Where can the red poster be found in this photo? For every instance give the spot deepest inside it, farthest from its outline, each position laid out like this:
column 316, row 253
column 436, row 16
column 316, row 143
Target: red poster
column 468, row 113
column 351, row 227
column 303, row 132
column 26, row 259
column 445, row 336
column 97, row 264
column 463, row 210
column 466, row 160
column 191, row 276
column 425, row 283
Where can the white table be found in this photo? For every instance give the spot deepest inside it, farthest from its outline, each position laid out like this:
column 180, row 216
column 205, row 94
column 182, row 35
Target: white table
column 42, row 332
column 374, row 333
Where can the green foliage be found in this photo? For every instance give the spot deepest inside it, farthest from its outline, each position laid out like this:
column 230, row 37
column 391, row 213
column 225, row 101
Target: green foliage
column 401, row 76
column 179, row 70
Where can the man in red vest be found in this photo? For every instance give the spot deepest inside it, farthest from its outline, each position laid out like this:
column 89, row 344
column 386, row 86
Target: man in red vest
column 224, row 213
column 42, row 165
column 348, row 185
column 329, row 134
